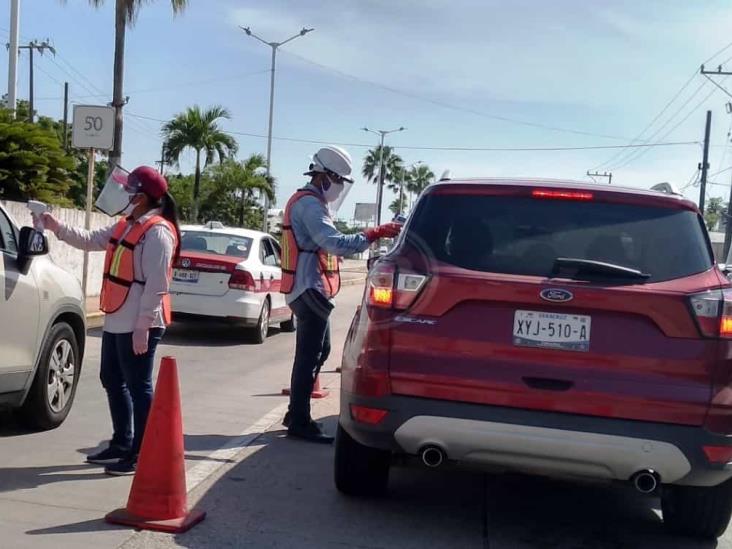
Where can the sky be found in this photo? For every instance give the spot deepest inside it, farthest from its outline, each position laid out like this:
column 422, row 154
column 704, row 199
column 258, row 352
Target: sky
column 459, row 74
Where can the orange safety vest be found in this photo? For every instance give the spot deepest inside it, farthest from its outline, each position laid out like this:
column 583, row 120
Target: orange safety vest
column 119, row 265
column 327, row 263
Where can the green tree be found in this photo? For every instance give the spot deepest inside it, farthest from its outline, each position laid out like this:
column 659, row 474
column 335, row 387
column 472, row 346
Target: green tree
column 125, row 14
column 713, row 212
column 345, row 228
column 419, row 178
column 33, row 164
column 395, row 207
column 198, row 130
column 392, row 165
column 241, row 182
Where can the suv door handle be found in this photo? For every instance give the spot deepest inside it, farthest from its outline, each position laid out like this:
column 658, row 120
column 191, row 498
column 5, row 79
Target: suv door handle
column 548, row 384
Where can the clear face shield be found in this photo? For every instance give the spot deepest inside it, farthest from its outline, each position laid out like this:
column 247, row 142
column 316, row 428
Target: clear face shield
column 117, row 193
column 345, row 187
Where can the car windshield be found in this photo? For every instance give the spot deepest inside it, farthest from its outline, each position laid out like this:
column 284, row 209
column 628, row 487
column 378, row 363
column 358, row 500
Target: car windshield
column 526, row 236
column 215, row 243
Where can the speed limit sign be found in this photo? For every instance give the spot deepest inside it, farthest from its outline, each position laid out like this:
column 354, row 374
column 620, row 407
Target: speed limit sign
column 93, row 127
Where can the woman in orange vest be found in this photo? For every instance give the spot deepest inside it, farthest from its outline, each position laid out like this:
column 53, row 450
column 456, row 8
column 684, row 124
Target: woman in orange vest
column 141, row 248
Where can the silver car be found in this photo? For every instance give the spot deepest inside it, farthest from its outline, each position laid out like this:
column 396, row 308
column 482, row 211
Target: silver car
column 43, row 328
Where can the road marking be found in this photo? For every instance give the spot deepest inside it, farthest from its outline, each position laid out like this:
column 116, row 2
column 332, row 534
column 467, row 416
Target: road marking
column 218, row 458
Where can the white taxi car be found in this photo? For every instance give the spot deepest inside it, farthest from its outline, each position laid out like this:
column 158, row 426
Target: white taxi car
column 230, row 274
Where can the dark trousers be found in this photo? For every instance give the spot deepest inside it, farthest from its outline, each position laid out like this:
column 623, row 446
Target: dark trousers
column 127, row 378
column 312, row 348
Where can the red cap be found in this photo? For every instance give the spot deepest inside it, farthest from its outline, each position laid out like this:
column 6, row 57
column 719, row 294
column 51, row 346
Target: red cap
column 147, row 180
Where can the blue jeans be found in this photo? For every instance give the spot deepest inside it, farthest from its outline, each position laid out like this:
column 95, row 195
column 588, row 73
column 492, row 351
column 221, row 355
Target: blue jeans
column 127, row 378
column 312, row 348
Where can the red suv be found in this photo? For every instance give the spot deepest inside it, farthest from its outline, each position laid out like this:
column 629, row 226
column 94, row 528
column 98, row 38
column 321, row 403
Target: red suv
column 551, row 328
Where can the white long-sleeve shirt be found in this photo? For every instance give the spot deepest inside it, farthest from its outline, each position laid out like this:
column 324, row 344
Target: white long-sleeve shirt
column 152, row 257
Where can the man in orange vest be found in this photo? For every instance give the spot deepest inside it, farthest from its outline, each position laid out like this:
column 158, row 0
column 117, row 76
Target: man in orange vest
column 311, row 251
column 141, row 247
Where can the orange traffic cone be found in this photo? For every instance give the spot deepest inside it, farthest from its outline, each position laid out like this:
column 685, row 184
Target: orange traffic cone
column 318, row 392
column 158, row 499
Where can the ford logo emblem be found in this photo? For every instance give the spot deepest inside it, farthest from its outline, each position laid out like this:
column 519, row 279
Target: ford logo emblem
column 185, row 263
column 556, row 295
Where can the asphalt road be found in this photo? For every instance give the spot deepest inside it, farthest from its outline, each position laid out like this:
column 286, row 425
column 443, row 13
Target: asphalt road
column 264, row 490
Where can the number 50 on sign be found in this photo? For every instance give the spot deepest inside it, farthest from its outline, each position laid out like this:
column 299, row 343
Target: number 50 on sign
column 93, row 127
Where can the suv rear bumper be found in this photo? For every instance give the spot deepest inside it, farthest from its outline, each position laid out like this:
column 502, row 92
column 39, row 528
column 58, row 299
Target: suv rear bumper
column 540, row 442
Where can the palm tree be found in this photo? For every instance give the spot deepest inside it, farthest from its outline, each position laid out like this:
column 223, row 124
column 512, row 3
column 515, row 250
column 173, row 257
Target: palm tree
column 714, row 211
column 199, row 130
column 125, row 14
column 392, row 164
column 419, row 178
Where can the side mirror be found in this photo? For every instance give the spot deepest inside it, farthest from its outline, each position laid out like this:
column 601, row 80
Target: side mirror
column 31, row 243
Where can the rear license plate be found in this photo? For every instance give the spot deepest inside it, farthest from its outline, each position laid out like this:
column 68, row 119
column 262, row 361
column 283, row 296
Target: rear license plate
column 552, row 330
column 182, row 275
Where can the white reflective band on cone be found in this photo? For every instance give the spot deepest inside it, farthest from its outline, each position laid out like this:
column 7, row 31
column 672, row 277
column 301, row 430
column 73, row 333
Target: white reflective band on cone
column 114, row 197
column 335, row 206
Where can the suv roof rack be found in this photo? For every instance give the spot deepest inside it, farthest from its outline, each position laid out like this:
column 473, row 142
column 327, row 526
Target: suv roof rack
column 666, row 188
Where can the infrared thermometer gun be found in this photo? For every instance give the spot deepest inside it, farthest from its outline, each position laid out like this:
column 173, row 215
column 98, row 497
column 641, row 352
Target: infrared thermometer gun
column 38, row 209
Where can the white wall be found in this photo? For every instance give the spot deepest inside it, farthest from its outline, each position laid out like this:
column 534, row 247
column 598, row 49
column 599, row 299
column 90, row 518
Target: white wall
column 64, row 255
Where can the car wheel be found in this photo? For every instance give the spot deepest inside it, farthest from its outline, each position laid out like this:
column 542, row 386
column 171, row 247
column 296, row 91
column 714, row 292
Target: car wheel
column 289, row 325
column 693, row 511
column 262, row 327
column 360, row 470
column 54, row 386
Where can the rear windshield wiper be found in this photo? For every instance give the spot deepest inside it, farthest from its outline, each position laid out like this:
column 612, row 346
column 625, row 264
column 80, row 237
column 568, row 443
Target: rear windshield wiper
column 585, row 268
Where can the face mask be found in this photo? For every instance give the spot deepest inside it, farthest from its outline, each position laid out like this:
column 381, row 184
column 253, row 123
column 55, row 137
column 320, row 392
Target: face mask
column 333, row 192
column 130, row 207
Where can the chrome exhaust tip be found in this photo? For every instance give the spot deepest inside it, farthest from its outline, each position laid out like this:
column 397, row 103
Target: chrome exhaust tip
column 646, row 481
column 432, row 456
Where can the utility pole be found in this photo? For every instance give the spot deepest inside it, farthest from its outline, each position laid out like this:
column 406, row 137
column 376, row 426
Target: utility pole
column 274, row 46
column 382, row 171
column 705, row 163
column 609, row 176
column 13, row 55
column 66, row 116
column 31, row 47
column 162, row 159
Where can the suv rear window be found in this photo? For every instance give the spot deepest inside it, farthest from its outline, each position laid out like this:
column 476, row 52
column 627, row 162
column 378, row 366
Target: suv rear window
column 524, row 236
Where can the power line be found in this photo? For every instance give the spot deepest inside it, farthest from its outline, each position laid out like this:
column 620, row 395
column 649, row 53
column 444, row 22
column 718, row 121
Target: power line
column 652, row 122
column 173, row 86
column 635, row 156
column 450, row 106
column 724, row 49
column 427, row 148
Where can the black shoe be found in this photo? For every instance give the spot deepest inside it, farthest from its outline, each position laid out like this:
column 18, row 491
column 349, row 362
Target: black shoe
column 309, row 431
column 287, row 420
column 110, row 454
column 125, row 466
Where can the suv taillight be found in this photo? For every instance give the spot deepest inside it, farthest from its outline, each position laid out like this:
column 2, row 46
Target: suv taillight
column 713, row 311
column 241, row 280
column 390, row 289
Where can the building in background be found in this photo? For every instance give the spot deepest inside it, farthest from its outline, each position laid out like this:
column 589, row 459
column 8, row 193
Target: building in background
column 274, row 220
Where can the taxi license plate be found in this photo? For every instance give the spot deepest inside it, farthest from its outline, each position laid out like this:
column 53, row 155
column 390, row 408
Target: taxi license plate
column 552, row 330
column 183, row 275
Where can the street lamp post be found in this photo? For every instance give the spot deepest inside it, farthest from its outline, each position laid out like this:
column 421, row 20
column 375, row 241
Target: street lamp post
column 380, row 189
column 274, row 46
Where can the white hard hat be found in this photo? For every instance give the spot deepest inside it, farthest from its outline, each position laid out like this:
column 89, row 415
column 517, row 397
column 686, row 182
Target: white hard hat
column 334, row 160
